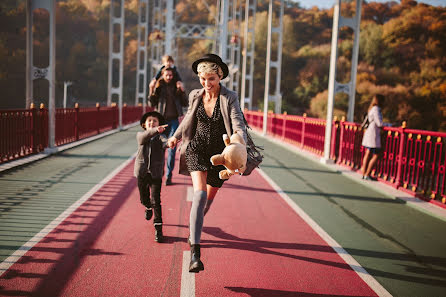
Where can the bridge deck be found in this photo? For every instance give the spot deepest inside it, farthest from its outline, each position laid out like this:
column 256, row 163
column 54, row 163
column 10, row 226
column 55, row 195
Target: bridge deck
column 296, row 228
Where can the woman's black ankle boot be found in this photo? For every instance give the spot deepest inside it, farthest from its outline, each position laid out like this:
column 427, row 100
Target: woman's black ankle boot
column 195, row 263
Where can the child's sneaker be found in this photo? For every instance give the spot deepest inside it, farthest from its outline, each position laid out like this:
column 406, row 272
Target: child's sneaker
column 149, row 213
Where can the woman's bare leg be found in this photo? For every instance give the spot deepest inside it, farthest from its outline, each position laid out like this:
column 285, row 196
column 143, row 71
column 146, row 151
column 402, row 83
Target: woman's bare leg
column 199, row 180
column 212, row 192
column 371, row 164
column 364, row 162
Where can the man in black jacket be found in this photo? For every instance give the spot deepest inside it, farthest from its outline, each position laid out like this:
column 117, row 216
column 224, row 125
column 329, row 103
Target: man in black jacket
column 169, row 101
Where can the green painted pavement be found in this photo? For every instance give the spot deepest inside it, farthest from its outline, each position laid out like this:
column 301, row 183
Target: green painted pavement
column 402, row 247
column 33, row 195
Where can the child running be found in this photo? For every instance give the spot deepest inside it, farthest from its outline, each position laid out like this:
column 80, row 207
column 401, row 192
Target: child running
column 149, row 167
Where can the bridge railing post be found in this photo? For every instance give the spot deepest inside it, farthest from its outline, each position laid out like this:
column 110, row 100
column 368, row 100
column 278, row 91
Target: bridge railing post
column 76, row 121
column 284, row 124
column 43, row 135
column 341, row 141
column 400, row 155
column 333, row 138
column 115, row 115
column 98, row 118
column 34, row 128
column 302, row 139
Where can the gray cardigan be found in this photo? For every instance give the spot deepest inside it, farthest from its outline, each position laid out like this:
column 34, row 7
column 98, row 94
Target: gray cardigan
column 372, row 135
column 232, row 117
column 150, row 154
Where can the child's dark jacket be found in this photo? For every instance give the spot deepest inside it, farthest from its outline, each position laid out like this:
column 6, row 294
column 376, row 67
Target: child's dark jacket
column 150, row 154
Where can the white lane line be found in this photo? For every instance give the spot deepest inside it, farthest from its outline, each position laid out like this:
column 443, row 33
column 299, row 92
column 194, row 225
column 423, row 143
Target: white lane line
column 8, row 262
column 362, row 273
column 187, row 278
column 190, row 194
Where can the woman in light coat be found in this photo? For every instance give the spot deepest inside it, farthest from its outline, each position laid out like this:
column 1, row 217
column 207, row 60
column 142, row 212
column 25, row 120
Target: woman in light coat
column 213, row 111
column 372, row 137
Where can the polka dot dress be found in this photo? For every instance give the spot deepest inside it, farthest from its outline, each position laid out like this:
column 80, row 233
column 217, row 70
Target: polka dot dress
column 208, row 141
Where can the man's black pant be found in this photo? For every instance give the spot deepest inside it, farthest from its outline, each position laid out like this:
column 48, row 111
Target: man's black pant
column 150, row 195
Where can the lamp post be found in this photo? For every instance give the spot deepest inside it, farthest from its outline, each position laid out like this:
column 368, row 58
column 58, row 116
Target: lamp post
column 65, row 87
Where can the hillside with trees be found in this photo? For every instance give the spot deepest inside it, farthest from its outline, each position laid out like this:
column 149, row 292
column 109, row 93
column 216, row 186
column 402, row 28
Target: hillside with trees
column 402, row 56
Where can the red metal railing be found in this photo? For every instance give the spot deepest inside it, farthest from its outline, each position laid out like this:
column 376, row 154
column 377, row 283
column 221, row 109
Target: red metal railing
column 307, row 133
column 24, row 132
column 131, row 113
column 412, row 160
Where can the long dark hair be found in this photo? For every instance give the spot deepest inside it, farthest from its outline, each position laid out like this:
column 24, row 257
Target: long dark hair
column 377, row 100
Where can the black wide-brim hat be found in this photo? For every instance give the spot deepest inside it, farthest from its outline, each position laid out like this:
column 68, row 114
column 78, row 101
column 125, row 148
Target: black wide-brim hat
column 214, row 59
column 152, row 114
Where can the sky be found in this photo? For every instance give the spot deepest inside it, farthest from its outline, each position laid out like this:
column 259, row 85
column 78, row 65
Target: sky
column 330, row 3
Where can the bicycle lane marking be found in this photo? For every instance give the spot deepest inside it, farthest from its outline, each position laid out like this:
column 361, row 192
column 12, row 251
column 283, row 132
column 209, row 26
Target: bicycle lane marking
column 8, row 262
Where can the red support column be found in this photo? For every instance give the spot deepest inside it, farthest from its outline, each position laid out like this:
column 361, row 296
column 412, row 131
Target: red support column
column 34, row 129
column 333, row 138
column 400, row 155
column 284, row 124
column 98, row 118
column 302, row 139
column 341, row 141
column 43, row 127
column 115, row 115
column 76, row 121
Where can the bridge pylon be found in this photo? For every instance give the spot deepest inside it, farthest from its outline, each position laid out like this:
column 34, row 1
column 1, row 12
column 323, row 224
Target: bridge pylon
column 248, row 54
column 117, row 18
column 141, row 54
column 234, row 45
column 270, row 64
column 335, row 87
column 48, row 73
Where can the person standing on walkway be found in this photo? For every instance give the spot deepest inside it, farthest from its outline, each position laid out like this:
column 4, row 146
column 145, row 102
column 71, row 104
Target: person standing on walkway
column 169, row 100
column 149, row 167
column 372, row 137
column 213, row 111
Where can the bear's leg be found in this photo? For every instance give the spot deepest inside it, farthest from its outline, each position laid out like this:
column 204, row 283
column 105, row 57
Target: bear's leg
column 224, row 174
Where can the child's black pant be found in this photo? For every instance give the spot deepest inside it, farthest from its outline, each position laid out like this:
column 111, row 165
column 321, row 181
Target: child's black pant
column 150, row 195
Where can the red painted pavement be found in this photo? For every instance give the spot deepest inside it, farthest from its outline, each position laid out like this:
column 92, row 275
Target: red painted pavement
column 253, row 244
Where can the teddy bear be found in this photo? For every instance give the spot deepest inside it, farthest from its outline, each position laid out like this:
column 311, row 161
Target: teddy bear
column 233, row 157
